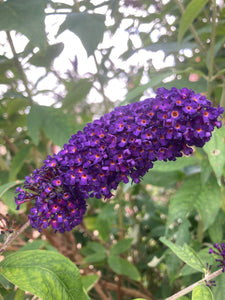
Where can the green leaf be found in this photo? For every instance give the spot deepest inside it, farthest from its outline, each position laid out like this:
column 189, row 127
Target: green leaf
column 9, row 199
column 202, row 292
column 192, row 195
column 95, row 258
column 215, row 150
column 37, row 244
column 45, row 58
column 89, row 281
column 191, row 12
column 187, row 254
column 216, row 229
column 123, row 267
column 88, row 27
column 25, row 16
column 48, row 275
column 105, row 219
column 55, row 124
column 219, row 289
column 121, row 246
column 20, row 295
column 164, row 179
column 18, row 161
column 5, row 187
column 76, row 92
column 179, row 164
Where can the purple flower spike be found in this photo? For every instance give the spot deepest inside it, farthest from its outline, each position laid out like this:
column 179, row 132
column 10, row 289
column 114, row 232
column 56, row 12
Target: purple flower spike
column 120, row 145
column 220, row 251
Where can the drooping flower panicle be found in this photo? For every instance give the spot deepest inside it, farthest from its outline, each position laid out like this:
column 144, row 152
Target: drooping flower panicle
column 121, row 144
column 219, row 251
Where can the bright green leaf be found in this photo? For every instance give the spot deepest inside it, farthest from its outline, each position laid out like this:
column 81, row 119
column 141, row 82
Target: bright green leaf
column 48, row 275
column 88, row 27
column 191, row 12
column 215, row 150
column 121, row 246
column 202, row 292
column 123, row 267
column 25, row 16
column 89, row 281
column 179, row 164
column 187, row 254
column 18, row 161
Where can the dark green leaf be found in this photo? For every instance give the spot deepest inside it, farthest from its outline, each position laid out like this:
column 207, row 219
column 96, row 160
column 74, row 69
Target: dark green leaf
column 48, row 275
column 123, row 267
column 121, row 246
column 88, row 27
column 202, row 292
column 219, row 289
column 25, row 16
column 187, row 254
column 191, row 12
column 18, row 161
column 95, row 258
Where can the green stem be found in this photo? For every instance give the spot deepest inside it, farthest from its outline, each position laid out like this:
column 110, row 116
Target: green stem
column 187, row 290
column 222, row 100
column 211, row 50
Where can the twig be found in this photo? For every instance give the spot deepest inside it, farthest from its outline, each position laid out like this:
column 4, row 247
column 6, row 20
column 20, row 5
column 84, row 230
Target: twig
column 191, row 287
column 13, row 236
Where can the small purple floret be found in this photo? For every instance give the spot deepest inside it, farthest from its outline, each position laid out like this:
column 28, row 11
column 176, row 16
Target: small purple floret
column 120, row 145
column 220, row 251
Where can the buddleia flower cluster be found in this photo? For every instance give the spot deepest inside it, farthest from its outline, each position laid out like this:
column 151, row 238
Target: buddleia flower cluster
column 120, row 145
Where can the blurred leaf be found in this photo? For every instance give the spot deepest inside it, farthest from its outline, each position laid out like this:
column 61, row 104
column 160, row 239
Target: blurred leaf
column 54, row 275
column 164, row 179
column 191, row 12
column 35, row 245
column 121, row 246
column 25, row 16
column 215, row 150
column 179, row 164
column 76, row 93
column 187, row 254
column 216, row 229
column 206, row 171
column 219, row 289
column 88, row 27
column 202, row 292
column 18, row 161
column 138, row 91
column 192, row 195
column 105, row 219
column 95, row 258
column 20, row 295
column 5, row 187
column 9, row 199
column 89, row 281
column 55, row 124
column 123, row 267
column 45, row 58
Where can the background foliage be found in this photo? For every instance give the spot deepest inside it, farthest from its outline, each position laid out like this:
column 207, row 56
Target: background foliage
column 151, row 239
